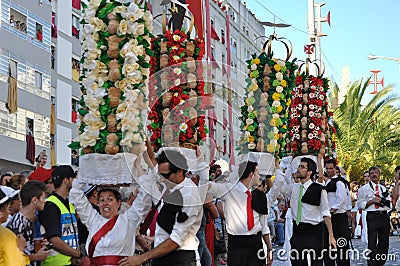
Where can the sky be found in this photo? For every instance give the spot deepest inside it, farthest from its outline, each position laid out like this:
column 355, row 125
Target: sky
column 358, row 28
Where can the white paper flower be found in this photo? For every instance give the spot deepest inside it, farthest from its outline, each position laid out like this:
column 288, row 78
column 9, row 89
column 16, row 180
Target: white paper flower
column 177, row 70
column 253, row 67
column 311, row 126
column 249, row 121
column 276, row 103
column 183, row 127
column 251, row 145
column 279, row 76
column 279, row 88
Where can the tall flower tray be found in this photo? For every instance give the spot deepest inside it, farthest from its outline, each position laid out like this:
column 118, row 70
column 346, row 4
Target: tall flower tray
column 267, row 98
column 177, row 99
column 115, row 69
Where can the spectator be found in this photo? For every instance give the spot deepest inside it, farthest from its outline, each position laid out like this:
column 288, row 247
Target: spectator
column 11, row 246
column 39, row 35
column 17, row 181
column 33, row 200
column 12, row 21
column 22, row 27
column 280, row 223
column 17, row 25
column 395, row 226
column 5, row 178
column 14, row 201
column 59, row 213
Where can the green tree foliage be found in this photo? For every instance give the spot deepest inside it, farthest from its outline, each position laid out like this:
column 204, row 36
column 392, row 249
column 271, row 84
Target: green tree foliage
column 367, row 134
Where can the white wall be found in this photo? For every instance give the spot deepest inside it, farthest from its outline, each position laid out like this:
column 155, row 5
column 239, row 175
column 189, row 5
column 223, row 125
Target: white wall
column 63, row 101
column 64, row 17
column 64, row 61
column 63, row 153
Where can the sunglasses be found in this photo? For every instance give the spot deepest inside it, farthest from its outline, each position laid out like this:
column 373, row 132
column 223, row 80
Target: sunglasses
column 166, row 175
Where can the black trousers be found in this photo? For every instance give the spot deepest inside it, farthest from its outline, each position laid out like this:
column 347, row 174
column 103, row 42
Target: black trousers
column 177, row 258
column 378, row 229
column 307, row 239
column 342, row 234
column 245, row 250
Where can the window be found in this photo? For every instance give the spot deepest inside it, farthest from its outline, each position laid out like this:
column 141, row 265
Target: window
column 74, row 115
column 212, row 22
column 233, row 16
column 53, row 57
column 38, row 80
column 223, row 58
column 39, row 32
column 76, row 69
column 29, row 126
column 17, row 20
column 222, row 36
column 212, row 51
column 233, row 46
column 75, row 26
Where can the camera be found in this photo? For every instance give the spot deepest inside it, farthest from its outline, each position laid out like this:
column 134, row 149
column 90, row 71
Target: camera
column 49, row 246
column 384, row 202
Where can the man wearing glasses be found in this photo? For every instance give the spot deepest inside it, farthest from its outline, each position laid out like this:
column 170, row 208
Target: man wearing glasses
column 310, row 209
column 179, row 218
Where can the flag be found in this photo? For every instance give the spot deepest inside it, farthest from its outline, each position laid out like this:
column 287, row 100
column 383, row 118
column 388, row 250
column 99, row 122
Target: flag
column 309, row 48
column 196, row 7
column 53, row 25
column 214, row 34
column 76, row 4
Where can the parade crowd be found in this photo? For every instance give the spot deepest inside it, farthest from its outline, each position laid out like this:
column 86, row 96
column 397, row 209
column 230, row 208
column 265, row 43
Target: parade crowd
column 172, row 216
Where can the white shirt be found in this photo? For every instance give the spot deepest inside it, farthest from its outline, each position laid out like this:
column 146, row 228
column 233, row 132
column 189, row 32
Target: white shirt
column 234, row 198
column 120, row 240
column 309, row 213
column 366, row 193
column 184, row 234
column 338, row 200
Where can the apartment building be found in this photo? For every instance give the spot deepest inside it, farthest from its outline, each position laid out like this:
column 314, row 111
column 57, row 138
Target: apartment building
column 25, row 82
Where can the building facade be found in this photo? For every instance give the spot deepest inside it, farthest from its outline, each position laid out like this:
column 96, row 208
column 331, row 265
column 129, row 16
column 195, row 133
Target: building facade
column 25, row 82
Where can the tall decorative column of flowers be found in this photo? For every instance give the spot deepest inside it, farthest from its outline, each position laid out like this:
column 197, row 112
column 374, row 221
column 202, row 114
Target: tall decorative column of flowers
column 310, row 124
column 268, row 96
column 177, row 102
column 115, row 67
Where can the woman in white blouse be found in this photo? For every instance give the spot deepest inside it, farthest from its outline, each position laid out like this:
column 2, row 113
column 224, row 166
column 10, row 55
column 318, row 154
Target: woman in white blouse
column 112, row 236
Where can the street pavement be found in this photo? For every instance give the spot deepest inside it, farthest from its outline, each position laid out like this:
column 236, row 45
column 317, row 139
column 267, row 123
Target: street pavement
column 359, row 248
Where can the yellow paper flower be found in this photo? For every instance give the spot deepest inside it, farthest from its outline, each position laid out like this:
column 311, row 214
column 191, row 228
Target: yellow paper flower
column 256, row 61
column 251, row 139
column 275, row 96
column 289, row 102
column 276, row 136
column 273, row 122
column 253, row 86
column 283, row 83
column 251, row 75
column 277, row 67
column 280, row 108
column 270, row 148
column 176, row 37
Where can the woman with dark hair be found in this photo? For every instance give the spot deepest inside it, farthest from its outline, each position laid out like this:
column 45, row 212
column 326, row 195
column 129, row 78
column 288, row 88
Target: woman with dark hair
column 111, row 235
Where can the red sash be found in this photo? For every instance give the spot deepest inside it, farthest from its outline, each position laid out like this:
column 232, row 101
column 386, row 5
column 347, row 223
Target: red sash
column 103, row 230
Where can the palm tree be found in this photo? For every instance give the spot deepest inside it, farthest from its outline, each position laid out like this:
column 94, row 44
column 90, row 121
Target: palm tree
column 367, row 134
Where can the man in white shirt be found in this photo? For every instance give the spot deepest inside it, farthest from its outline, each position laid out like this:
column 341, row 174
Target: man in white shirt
column 310, row 209
column 246, row 215
column 374, row 198
column 179, row 218
column 338, row 195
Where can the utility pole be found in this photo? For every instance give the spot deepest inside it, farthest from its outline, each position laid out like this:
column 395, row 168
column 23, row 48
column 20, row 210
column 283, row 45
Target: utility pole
column 312, row 35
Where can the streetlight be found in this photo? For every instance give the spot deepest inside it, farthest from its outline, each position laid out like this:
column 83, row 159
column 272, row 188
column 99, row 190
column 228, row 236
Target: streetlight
column 373, row 57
